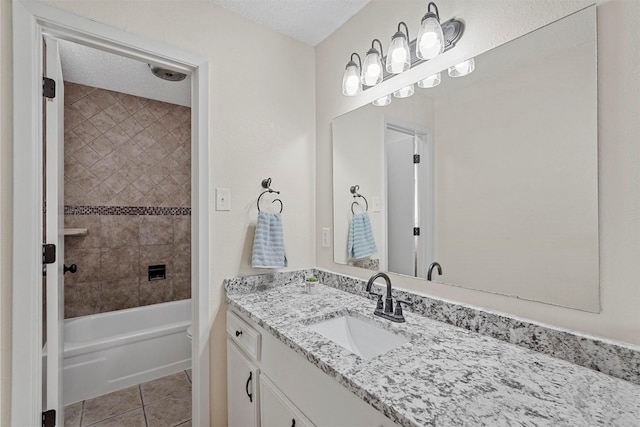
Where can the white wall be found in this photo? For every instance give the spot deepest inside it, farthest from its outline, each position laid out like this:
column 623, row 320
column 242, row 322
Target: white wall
column 489, row 24
column 5, row 210
column 262, row 125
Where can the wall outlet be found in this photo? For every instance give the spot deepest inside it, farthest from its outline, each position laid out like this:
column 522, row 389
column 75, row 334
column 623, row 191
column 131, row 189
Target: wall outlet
column 325, row 238
column 223, row 199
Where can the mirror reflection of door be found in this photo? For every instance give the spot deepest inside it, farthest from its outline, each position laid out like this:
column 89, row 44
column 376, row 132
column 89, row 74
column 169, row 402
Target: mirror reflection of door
column 409, row 189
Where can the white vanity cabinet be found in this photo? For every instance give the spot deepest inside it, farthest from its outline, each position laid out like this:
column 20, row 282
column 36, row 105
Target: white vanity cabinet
column 276, row 409
column 290, row 390
column 242, row 374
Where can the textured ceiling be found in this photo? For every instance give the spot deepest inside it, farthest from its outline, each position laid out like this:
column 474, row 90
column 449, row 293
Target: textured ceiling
column 93, row 67
column 309, row 21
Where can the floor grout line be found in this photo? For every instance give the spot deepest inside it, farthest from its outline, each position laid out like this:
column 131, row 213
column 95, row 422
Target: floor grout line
column 144, row 411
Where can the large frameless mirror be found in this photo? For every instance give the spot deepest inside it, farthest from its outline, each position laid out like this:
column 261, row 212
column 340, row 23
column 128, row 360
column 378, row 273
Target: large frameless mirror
column 494, row 176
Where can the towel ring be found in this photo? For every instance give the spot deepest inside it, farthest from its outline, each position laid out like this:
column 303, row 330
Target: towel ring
column 266, row 183
column 354, row 203
column 274, row 200
column 281, row 204
column 354, row 190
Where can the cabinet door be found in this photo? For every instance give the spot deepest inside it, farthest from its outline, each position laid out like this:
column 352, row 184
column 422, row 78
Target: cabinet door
column 276, row 409
column 242, row 378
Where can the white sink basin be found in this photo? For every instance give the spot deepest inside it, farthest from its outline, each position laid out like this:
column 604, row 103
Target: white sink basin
column 359, row 337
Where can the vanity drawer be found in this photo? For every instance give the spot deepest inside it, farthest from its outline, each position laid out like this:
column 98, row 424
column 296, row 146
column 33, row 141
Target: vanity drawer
column 240, row 332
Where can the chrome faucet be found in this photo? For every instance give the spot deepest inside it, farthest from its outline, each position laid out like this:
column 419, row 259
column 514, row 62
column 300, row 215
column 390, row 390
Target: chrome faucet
column 387, row 312
column 431, row 267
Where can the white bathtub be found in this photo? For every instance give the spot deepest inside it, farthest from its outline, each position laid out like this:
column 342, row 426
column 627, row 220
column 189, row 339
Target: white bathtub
column 110, row 351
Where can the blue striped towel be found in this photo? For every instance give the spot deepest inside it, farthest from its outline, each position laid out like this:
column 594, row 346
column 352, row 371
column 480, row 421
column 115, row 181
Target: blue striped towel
column 268, row 242
column 361, row 243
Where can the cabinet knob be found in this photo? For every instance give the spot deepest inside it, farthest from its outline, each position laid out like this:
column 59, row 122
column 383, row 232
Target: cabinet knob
column 238, row 333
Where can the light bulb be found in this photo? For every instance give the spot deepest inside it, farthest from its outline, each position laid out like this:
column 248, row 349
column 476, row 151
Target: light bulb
column 430, row 40
column 372, row 66
column 351, row 80
column 431, row 81
column 404, row 92
column 462, row 69
column 371, row 74
column 381, row 102
column 372, row 69
column 398, row 57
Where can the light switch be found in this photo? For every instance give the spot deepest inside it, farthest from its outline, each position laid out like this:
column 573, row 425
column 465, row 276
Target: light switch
column 223, row 199
column 325, row 238
column 375, row 201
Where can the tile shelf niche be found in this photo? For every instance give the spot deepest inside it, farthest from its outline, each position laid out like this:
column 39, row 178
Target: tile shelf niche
column 75, row 231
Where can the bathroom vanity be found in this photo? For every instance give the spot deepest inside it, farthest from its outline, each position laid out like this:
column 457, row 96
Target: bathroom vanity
column 282, row 372
column 270, row 385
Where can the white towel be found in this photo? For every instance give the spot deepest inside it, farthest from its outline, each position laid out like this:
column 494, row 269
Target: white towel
column 361, row 243
column 268, row 242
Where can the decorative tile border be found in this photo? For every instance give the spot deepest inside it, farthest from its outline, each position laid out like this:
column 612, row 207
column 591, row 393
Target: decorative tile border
column 124, row 210
column 616, row 359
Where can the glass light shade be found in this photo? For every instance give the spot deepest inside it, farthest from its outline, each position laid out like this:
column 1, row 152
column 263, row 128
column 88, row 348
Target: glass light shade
column 381, row 102
column 398, row 56
column 462, row 69
column 431, row 81
column 372, row 69
column 351, row 85
column 430, row 40
column 405, row 92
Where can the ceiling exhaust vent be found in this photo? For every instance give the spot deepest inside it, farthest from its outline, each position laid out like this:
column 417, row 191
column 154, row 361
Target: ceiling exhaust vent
column 165, row 74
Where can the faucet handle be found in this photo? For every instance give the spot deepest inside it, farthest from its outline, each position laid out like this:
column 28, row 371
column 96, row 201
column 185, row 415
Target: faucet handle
column 379, row 304
column 398, row 310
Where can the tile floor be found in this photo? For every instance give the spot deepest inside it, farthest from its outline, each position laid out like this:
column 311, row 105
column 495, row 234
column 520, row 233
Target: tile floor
column 165, row 402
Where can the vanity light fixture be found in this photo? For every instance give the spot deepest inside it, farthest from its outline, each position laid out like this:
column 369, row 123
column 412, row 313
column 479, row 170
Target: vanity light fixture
column 403, row 54
column 372, row 68
column 430, row 41
column 404, row 92
column 431, row 81
column 382, row 102
column 351, row 84
column 462, row 69
column 398, row 54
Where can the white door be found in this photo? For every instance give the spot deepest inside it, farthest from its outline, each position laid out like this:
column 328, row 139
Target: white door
column 400, row 203
column 54, row 230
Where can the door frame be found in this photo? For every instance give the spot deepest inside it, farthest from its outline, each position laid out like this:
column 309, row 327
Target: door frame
column 31, row 20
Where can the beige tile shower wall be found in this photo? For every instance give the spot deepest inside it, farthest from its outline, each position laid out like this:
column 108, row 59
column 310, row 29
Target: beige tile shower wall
column 114, row 257
column 122, row 150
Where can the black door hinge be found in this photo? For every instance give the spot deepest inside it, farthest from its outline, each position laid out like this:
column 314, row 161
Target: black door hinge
column 48, row 87
column 416, row 231
column 49, row 418
column 48, row 253
column 416, row 158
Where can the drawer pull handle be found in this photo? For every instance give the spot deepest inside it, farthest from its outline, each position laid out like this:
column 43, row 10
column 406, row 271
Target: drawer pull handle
column 238, row 333
column 246, row 387
column 293, row 422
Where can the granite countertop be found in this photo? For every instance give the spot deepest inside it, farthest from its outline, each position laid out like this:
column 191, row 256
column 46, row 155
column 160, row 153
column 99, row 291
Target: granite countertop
column 445, row 375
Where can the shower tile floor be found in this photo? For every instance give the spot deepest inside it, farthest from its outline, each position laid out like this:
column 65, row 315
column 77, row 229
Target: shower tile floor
column 165, row 402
